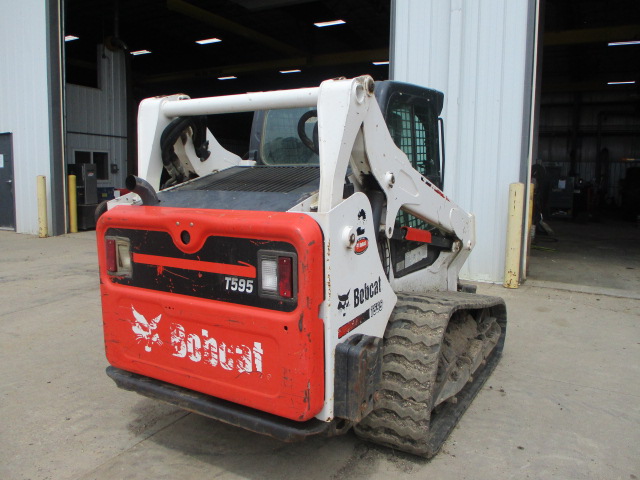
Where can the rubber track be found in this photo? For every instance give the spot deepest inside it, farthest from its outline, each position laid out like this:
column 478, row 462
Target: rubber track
column 402, row 417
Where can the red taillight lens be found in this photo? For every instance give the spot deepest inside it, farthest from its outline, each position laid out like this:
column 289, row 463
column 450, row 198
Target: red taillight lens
column 112, row 258
column 285, row 277
column 118, row 255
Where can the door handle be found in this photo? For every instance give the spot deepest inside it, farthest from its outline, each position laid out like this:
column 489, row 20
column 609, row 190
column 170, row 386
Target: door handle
column 9, row 181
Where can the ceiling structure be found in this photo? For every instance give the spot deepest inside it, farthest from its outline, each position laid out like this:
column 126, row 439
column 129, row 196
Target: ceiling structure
column 260, row 38
column 576, row 55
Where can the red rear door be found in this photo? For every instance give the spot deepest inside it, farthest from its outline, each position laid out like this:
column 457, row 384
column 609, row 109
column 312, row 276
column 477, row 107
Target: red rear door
column 221, row 302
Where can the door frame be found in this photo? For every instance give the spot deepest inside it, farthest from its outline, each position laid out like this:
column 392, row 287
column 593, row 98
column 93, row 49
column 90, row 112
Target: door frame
column 13, row 180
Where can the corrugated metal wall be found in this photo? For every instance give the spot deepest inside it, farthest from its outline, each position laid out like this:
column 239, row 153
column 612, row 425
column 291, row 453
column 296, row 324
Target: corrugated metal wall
column 24, row 109
column 480, row 54
column 97, row 118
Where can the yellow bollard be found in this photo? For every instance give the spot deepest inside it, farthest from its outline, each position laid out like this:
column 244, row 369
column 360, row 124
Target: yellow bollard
column 43, row 222
column 514, row 235
column 73, row 205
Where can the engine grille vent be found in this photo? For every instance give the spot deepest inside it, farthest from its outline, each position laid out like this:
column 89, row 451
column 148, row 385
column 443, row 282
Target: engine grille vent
column 258, row 179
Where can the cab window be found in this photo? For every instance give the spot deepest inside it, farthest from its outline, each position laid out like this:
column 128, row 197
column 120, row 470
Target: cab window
column 280, row 144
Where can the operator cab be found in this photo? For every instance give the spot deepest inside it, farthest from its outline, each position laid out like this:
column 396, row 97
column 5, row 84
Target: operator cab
column 289, row 137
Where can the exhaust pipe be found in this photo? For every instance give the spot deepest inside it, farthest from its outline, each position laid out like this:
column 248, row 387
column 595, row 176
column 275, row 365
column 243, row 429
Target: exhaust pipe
column 143, row 188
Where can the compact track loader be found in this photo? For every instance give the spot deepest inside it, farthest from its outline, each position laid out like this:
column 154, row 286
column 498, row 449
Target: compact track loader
column 309, row 288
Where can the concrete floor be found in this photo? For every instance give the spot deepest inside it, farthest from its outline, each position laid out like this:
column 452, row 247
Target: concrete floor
column 563, row 403
column 603, row 254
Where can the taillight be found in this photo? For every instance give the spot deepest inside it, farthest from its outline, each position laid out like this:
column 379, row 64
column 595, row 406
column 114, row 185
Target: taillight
column 112, row 262
column 269, row 275
column 285, row 277
column 277, row 274
column 118, row 253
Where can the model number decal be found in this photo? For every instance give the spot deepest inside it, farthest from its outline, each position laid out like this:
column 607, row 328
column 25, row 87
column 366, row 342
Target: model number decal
column 237, row 284
column 360, row 319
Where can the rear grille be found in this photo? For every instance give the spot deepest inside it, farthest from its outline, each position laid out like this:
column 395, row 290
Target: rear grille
column 257, row 179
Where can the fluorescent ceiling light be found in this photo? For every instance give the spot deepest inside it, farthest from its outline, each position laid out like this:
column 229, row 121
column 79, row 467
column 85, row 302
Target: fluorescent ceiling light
column 207, row 41
column 70, row 38
column 230, row 77
column 381, row 63
column 140, row 52
column 290, row 71
column 630, row 82
column 330, row 24
column 630, row 42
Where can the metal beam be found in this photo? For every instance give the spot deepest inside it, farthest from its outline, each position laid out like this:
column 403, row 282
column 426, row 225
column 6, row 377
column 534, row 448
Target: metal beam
column 57, row 180
column 592, row 35
column 556, row 86
column 323, row 60
column 222, row 23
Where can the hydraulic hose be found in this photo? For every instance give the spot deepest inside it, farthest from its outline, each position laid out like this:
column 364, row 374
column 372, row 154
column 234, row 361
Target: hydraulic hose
column 143, row 188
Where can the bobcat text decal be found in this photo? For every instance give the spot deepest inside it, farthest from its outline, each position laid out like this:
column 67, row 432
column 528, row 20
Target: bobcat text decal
column 197, row 347
column 370, row 290
column 202, row 348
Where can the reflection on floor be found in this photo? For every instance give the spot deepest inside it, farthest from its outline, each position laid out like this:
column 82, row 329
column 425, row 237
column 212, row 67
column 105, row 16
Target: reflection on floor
column 596, row 254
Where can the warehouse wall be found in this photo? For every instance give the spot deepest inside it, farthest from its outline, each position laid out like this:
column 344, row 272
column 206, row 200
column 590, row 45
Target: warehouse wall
column 480, row 54
column 24, row 102
column 97, row 117
column 584, row 125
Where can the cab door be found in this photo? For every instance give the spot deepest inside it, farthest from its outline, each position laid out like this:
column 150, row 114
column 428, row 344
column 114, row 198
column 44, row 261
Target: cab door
column 412, row 116
column 7, row 197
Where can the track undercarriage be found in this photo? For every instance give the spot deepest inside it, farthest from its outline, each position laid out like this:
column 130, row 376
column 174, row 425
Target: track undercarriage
column 438, row 351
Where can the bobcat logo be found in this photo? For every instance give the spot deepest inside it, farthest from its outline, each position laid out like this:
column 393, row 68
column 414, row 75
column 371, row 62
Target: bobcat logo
column 343, row 302
column 144, row 329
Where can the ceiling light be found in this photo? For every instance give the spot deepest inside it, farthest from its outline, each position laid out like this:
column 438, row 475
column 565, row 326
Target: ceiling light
column 207, row 41
column 330, row 24
column 630, row 82
column 140, row 52
column 290, row 71
column 70, row 38
column 630, row 42
column 381, row 63
column 230, row 77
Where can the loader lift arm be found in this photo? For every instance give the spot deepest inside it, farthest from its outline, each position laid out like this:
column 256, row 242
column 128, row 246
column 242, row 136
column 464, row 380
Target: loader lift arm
column 352, row 132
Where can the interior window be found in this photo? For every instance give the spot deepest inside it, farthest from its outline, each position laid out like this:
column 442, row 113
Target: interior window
column 82, row 157
column 281, row 144
column 99, row 159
